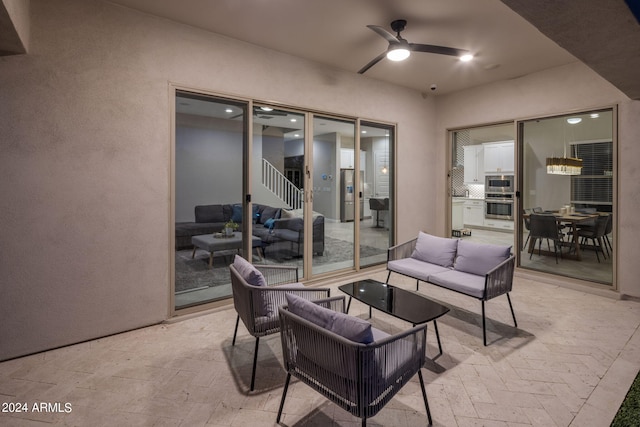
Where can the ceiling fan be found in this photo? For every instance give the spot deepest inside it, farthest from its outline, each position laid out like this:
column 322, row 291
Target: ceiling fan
column 400, row 49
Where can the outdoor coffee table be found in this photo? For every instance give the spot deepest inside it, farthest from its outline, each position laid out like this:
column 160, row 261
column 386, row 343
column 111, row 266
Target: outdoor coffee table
column 211, row 243
column 407, row 305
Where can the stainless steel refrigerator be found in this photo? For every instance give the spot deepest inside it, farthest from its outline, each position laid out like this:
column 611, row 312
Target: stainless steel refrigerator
column 348, row 195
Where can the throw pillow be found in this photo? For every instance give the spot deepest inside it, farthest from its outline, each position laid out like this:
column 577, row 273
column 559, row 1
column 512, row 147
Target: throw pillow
column 270, row 223
column 435, row 250
column 480, row 258
column 236, row 213
column 248, row 272
column 349, row 327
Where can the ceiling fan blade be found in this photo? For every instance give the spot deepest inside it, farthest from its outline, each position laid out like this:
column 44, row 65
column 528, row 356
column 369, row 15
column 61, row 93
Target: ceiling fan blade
column 384, row 33
column 442, row 50
column 372, row 62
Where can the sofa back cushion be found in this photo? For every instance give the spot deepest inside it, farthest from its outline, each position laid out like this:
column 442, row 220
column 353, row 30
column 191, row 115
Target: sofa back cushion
column 210, row 213
column 267, row 213
column 480, row 258
column 349, row 327
column 435, row 250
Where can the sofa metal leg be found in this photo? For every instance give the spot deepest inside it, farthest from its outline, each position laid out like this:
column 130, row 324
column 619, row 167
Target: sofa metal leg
column 513, row 314
column 284, row 395
column 417, row 284
column 388, row 276
column 484, row 326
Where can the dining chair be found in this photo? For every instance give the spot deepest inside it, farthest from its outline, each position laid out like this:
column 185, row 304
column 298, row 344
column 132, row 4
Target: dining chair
column 545, row 227
column 596, row 235
column 527, row 226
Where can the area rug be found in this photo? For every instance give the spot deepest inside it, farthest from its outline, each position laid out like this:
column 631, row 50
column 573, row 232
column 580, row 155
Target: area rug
column 195, row 273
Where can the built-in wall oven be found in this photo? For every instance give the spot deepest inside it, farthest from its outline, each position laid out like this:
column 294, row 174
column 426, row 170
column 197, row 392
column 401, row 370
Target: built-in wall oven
column 498, row 205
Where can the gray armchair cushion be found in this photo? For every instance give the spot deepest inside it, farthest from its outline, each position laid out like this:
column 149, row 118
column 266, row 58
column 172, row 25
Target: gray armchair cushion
column 480, row 258
column 349, row 327
column 249, row 273
column 435, row 250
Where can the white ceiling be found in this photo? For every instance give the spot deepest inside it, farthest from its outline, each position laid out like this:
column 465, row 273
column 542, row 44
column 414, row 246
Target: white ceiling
column 334, row 33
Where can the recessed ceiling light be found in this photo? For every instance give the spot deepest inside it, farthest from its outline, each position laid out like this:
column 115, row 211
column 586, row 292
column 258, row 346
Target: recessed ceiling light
column 364, row 131
column 574, row 120
column 594, row 115
column 466, row 58
column 296, row 135
column 228, row 110
column 294, row 120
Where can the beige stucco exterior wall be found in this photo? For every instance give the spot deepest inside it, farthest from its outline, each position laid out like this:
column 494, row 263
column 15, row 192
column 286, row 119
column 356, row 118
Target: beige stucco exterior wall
column 85, row 164
column 570, row 88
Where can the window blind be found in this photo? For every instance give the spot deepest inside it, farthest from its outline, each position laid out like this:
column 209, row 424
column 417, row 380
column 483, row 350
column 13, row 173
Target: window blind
column 595, row 183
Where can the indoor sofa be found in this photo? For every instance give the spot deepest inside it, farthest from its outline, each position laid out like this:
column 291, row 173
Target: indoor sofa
column 279, row 229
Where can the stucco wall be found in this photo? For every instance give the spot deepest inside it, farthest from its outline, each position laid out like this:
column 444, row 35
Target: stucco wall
column 85, row 164
column 570, row 88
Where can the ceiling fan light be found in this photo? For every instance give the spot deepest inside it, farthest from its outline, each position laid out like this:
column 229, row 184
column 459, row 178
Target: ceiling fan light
column 466, row 57
column 398, row 53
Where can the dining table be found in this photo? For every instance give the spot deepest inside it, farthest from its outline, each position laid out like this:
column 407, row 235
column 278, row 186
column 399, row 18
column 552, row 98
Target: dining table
column 571, row 220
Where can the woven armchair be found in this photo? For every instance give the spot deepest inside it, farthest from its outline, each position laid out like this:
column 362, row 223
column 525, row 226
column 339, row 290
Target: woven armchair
column 257, row 306
column 360, row 378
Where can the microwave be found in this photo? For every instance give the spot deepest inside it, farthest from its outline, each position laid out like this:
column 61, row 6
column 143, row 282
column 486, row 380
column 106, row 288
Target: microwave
column 498, row 184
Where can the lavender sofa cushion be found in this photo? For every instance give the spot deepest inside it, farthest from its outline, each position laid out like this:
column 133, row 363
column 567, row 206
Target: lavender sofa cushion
column 414, row 268
column 435, row 250
column 480, row 258
column 466, row 283
column 349, row 327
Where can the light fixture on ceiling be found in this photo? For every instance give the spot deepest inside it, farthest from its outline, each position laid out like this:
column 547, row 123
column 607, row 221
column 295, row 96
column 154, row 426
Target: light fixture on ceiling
column 398, row 51
column 466, row 57
column 565, row 165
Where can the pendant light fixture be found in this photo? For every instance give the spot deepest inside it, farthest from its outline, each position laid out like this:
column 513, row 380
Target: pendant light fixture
column 565, row 165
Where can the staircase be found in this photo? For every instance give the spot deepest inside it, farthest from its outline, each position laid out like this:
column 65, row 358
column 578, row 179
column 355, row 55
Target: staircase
column 279, row 185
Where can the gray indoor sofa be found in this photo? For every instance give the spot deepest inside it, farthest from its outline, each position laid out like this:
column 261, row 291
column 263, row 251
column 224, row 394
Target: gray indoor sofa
column 279, row 229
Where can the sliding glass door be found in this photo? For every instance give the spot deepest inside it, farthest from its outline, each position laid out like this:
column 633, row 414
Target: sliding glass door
column 210, row 135
column 376, row 142
column 278, row 186
column 568, row 206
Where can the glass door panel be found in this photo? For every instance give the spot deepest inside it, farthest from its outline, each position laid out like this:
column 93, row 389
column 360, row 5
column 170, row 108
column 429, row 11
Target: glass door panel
column 337, row 200
column 278, row 164
column 376, row 141
column 210, row 135
column 579, row 243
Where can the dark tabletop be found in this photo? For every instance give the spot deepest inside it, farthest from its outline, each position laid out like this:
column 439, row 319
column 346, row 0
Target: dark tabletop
column 401, row 303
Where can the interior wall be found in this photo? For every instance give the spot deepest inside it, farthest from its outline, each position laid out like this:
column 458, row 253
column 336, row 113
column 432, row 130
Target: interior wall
column 86, row 152
column 571, row 88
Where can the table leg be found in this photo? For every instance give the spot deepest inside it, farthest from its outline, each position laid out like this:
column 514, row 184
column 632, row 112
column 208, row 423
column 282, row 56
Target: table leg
column 348, row 305
column 193, row 254
column 369, row 312
column 576, row 243
column 435, row 325
column 210, row 259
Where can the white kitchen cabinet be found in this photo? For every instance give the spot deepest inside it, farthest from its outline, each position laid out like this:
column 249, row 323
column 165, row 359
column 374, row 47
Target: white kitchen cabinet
column 500, row 224
column 347, row 160
column 457, row 214
column 473, row 213
column 498, row 157
column 473, row 164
